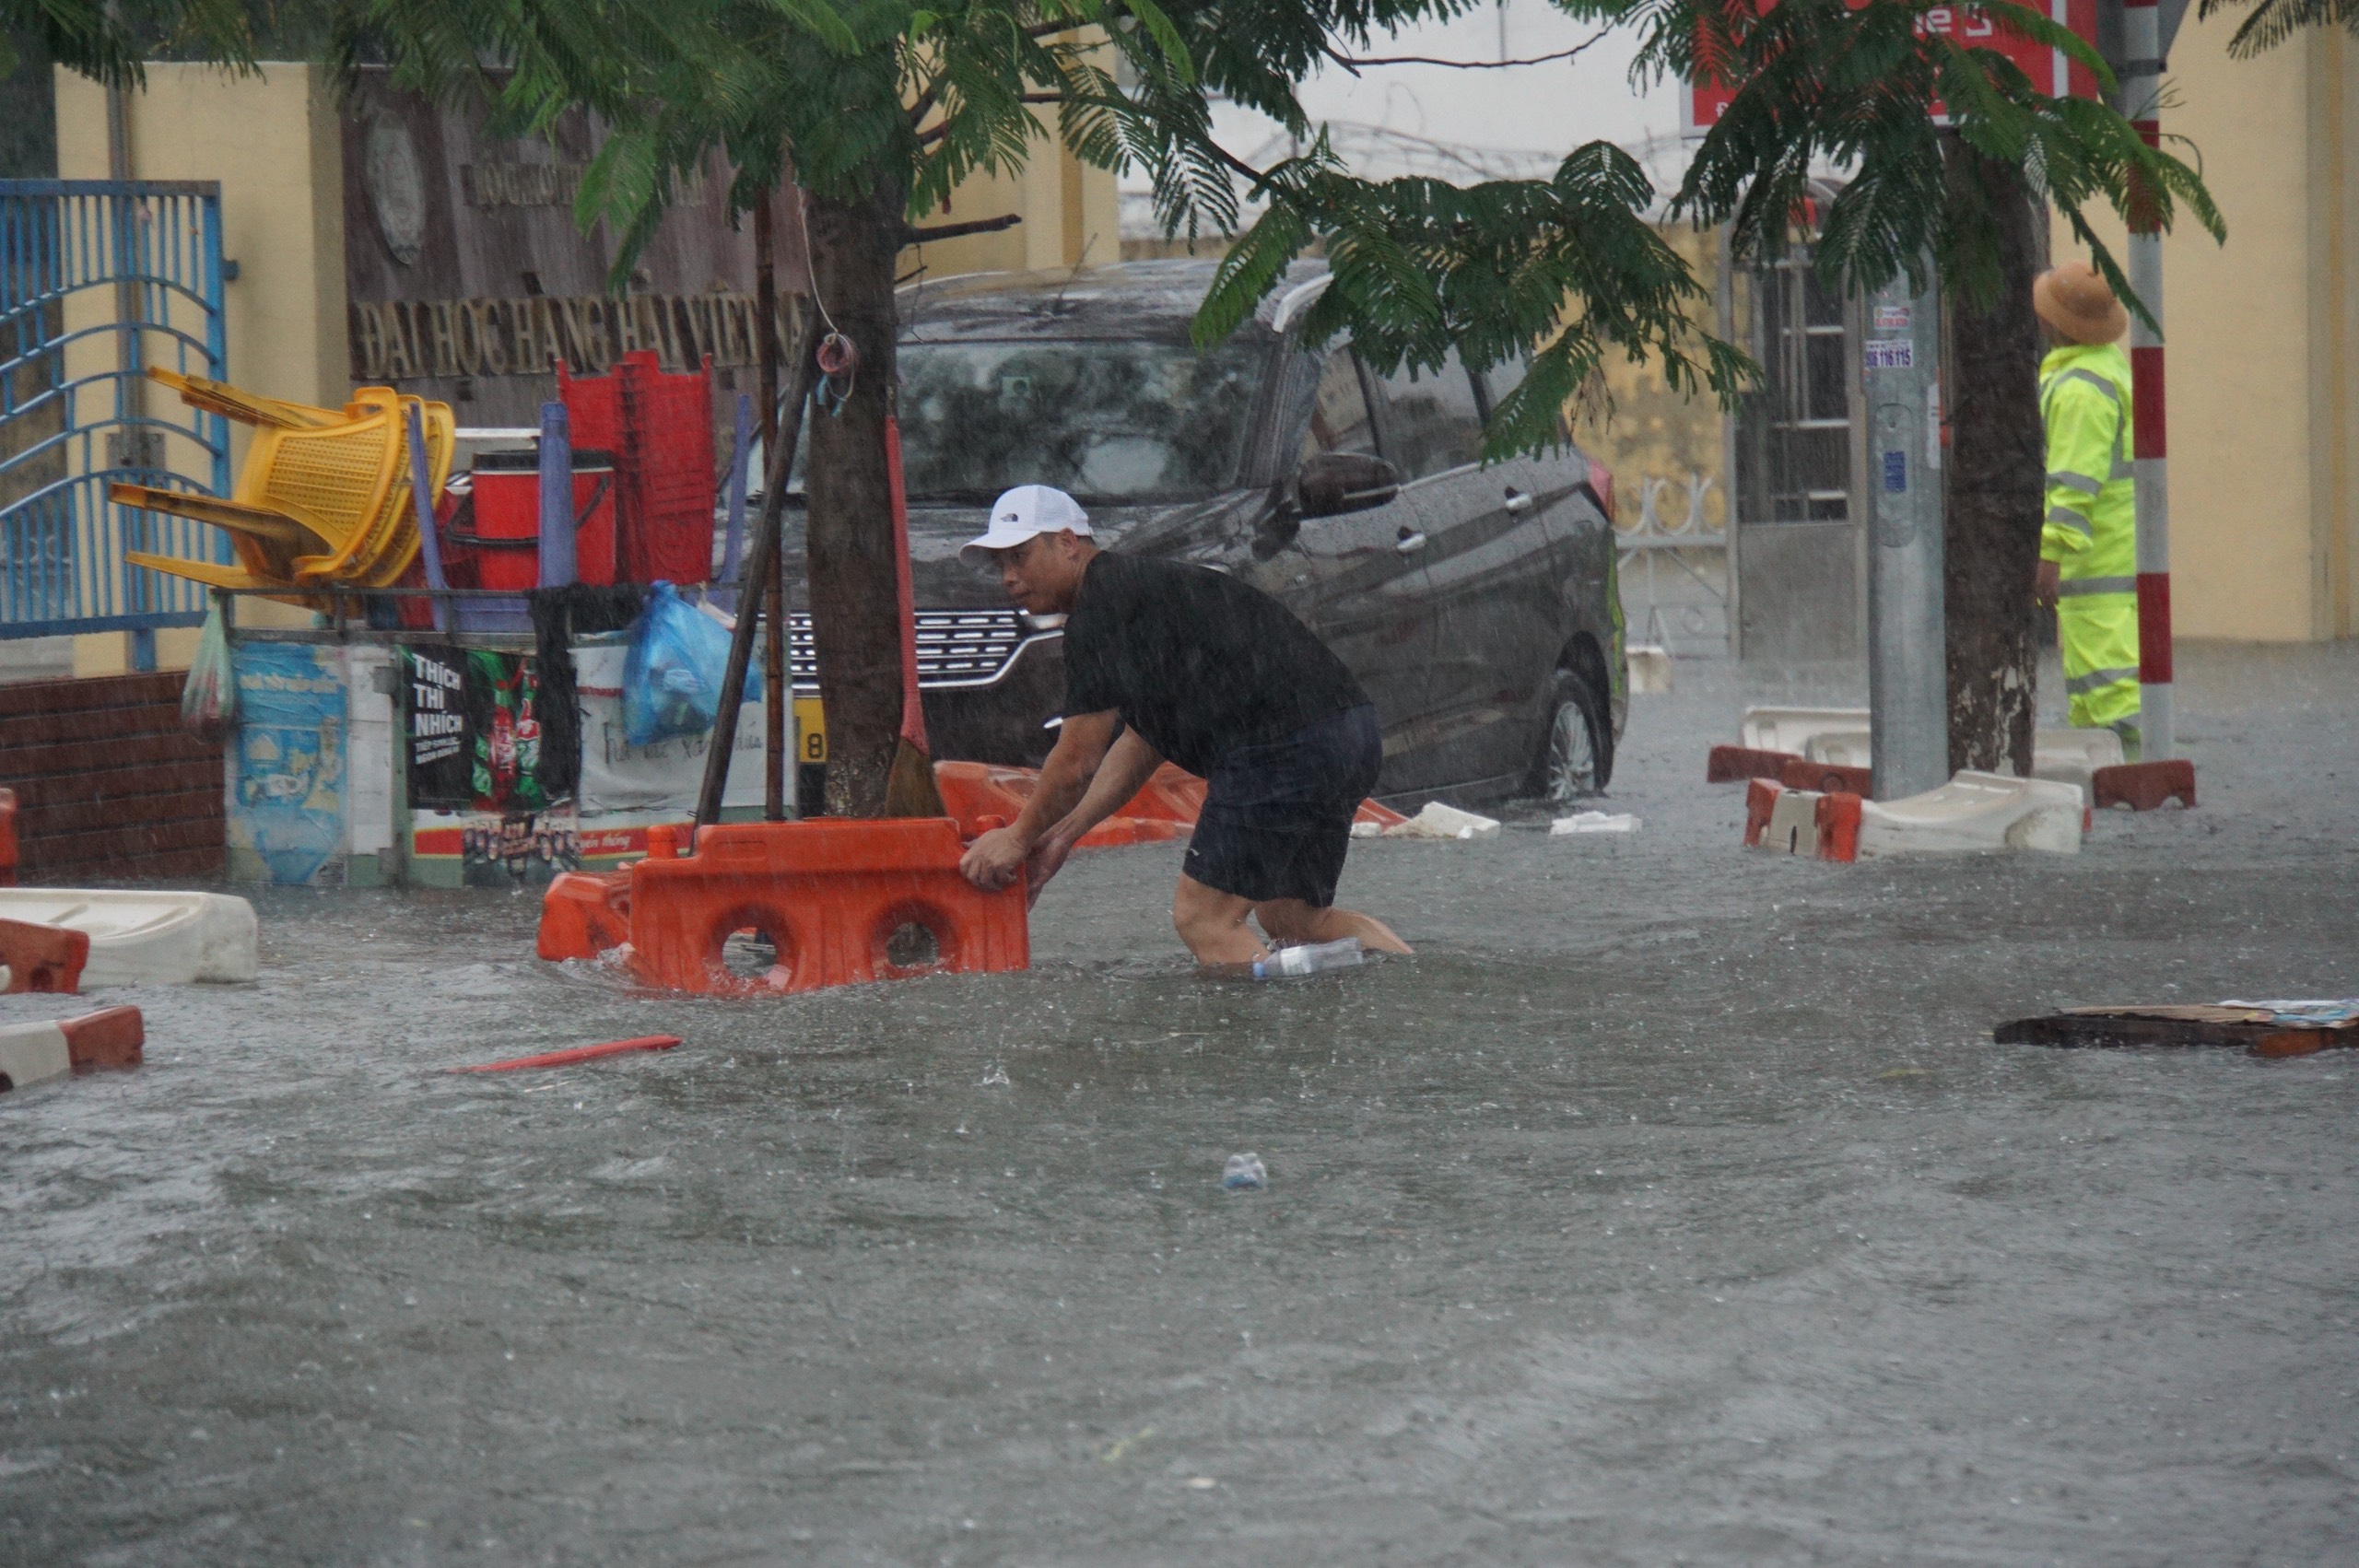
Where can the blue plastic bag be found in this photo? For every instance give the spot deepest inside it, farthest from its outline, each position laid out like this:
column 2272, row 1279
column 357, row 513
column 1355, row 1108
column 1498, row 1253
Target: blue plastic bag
column 672, row 674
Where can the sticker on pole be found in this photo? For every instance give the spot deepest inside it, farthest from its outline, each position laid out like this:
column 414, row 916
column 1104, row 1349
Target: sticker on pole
column 1895, row 473
column 1891, row 353
column 1892, row 318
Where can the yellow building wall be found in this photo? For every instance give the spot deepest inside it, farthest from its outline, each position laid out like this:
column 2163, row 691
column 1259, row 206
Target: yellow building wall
column 2259, row 371
column 2334, row 334
column 1069, row 212
column 1650, row 433
column 273, row 140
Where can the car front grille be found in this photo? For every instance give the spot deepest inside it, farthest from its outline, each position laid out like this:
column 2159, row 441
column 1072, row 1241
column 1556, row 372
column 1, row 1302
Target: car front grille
column 955, row 647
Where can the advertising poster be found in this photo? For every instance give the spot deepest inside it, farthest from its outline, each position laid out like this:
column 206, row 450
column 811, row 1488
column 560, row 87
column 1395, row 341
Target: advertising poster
column 473, row 731
column 479, row 802
column 435, row 725
column 286, row 805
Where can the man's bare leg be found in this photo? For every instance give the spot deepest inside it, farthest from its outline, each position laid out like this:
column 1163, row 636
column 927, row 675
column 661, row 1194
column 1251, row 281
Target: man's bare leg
column 1290, row 921
column 1213, row 924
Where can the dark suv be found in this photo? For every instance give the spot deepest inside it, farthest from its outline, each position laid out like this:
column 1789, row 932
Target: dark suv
column 1476, row 603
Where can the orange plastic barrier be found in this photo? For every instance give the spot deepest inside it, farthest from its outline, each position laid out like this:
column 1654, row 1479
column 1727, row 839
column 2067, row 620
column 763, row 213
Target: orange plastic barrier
column 1833, row 818
column 112, row 1037
column 835, row 897
column 1803, row 774
column 2145, row 786
column 1839, row 825
column 980, row 797
column 584, row 913
column 1734, row 764
column 7, row 838
column 823, row 889
column 43, row 958
column 1760, row 804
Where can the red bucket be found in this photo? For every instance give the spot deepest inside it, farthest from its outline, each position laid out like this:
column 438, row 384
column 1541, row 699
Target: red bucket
column 508, row 510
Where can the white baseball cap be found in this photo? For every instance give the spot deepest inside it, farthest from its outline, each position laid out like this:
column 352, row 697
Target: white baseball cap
column 1020, row 514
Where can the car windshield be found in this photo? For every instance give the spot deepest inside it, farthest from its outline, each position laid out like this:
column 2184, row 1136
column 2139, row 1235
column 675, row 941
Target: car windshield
column 1107, row 421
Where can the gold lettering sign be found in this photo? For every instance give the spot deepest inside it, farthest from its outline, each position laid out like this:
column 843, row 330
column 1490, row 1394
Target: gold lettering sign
column 483, row 333
column 400, row 352
column 407, row 339
column 519, row 185
column 367, row 344
column 445, row 358
column 547, row 185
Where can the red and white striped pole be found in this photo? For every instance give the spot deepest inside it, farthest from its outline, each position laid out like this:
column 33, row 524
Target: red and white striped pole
column 2141, row 82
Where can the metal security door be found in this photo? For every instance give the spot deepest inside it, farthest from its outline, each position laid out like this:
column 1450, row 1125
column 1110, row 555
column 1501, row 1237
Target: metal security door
column 1798, row 535
column 99, row 280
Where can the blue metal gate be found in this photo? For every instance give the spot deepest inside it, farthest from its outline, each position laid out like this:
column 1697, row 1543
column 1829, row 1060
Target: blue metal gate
column 99, row 280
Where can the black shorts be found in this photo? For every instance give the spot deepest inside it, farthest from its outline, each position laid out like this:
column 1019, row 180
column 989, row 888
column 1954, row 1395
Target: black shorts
column 1277, row 817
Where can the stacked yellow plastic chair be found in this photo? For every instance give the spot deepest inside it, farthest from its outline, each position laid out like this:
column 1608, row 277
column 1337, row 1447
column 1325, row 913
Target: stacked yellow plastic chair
column 324, row 499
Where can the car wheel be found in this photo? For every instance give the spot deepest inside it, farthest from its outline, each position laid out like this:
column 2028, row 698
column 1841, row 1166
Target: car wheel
column 1575, row 756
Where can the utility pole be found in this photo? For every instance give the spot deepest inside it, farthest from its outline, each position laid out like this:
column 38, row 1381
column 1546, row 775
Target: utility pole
column 136, row 450
column 1907, row 677
column 770, row 594
column 2145, row 36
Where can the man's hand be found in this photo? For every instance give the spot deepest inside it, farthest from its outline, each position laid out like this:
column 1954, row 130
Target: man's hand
column 1070, row 774
column 995, row 860
column 2048, row 585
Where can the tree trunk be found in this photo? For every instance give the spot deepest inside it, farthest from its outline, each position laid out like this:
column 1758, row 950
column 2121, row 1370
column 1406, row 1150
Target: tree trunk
column 1997, row 468
column 853, row 588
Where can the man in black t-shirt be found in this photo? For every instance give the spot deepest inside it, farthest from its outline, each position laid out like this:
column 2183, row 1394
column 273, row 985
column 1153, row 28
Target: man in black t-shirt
column 1191, row 666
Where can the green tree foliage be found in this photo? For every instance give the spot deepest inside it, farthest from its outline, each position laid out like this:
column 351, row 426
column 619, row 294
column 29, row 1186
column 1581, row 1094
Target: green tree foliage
column 108, row 42
column 1820, row 83
column 1821, row 86
column 895, row 95
column 912, row 97
column 2274, row 21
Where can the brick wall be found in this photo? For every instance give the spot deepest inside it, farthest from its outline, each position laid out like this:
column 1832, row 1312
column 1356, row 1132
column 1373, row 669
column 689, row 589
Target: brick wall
column 108, row 784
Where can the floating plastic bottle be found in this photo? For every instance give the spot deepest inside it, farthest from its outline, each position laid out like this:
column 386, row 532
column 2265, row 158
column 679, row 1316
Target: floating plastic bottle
column 1308, row 959
column 1244, row 1172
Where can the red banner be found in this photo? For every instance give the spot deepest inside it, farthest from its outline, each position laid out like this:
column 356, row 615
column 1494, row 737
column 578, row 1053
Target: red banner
column 2050, row 70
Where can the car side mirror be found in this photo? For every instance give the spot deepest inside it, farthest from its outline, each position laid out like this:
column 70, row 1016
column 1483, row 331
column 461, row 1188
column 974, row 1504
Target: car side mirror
column 1329, row 484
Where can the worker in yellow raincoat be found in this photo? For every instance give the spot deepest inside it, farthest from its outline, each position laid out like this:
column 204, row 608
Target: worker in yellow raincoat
column 2088, row 546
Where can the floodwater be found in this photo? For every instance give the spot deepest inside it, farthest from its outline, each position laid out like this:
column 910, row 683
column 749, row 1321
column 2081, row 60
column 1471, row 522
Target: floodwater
column 1672, row 1207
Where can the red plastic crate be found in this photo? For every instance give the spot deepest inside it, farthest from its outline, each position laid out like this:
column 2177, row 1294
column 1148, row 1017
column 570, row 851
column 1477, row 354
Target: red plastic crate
column 659, row 426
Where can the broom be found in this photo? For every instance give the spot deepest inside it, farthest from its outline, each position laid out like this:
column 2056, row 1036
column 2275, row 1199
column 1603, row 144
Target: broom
column 910, row 789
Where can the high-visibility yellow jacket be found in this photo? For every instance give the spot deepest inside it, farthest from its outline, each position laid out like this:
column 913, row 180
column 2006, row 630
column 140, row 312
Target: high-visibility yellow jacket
column 2091, row 532
column 2092, row 526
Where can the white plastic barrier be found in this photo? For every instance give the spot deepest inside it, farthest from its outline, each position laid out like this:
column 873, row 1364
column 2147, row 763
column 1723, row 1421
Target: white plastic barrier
column 1974, row 812
column 1793, row 823
column 30, row 1052
column 1840, row 748
column 2073, row 756
column 147, row 938
column 1791, row 729
column 2066, row 757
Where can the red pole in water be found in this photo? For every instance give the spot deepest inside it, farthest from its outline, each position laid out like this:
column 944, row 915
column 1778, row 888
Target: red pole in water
column 2141, row 98
column 770, row 594
column 578, row 1053
column 912, row 707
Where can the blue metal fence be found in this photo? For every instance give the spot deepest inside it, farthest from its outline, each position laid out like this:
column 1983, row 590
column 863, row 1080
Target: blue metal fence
column 99, row 280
